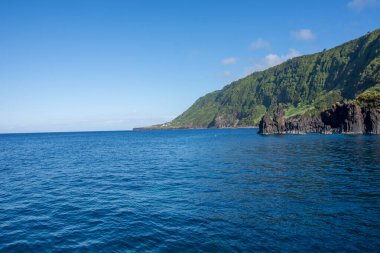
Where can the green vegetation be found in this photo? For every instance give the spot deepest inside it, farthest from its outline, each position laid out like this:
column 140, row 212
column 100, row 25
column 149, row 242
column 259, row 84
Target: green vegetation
column 370, row 97
column 306, row 84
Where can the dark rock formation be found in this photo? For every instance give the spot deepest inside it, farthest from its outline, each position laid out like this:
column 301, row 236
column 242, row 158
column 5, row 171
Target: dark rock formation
column 294, row 125
column 352, row 118
column 372, row 121
column 225, row 120
column 345, row 118
column 303, row 124
column 275, row 125
column 348, row 118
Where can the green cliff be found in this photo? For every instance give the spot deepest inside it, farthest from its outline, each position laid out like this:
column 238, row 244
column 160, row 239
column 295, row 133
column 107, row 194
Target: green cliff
column 304, row 85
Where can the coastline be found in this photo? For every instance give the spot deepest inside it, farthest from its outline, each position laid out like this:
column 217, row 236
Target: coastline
column 190, row 128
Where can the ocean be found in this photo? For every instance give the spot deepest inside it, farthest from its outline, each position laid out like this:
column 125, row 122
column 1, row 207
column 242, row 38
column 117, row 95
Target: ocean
column 221, row 190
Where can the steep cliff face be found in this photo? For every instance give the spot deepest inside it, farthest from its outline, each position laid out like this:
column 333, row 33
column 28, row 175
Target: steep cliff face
column 307, row 83
column 372, row 121
column 345, row 118
column 294, row 125
column 304, row 124
column 352, row 118
column 269, row 125
column 348, row 118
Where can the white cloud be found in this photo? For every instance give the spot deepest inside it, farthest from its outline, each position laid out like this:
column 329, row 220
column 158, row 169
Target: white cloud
column 228, row 61
column 304, row 34
column 362, row 4
column 271, row 60
column 260, row 43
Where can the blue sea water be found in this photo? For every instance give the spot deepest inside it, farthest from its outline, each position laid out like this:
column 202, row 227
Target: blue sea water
column 189, row 190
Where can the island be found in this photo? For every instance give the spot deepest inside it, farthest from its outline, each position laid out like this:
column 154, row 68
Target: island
column 333, row 91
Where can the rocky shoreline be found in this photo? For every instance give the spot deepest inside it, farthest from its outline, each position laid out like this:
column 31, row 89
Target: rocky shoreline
column 191, row 128
column 345, row 118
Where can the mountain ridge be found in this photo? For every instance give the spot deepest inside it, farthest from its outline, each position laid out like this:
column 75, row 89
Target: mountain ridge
column 304, row 85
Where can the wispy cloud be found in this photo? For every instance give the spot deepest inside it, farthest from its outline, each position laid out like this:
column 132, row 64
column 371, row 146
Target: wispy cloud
column 229, row 61
column 271, row 60
column 225, row 74
column 259, row 44
column 304, row 34
column 362, row 4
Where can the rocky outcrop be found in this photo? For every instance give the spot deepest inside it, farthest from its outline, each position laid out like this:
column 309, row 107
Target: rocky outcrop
column 372, row 121
column 224, row 120
column 295, row 125
column 347, row 118
column 275, row 125
column 352, row 118
column 303, row 124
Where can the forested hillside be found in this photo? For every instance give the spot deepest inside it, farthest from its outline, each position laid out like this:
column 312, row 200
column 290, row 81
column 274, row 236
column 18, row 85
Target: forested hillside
column 302, row 85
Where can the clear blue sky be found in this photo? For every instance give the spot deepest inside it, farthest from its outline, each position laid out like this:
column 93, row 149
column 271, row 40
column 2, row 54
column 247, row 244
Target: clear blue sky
column 113, row 65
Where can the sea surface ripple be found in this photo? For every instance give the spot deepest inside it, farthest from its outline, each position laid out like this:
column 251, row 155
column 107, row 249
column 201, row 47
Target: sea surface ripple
column 225, row 190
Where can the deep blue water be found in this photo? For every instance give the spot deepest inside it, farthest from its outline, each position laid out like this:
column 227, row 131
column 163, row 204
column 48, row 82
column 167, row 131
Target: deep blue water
column 190, row 190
